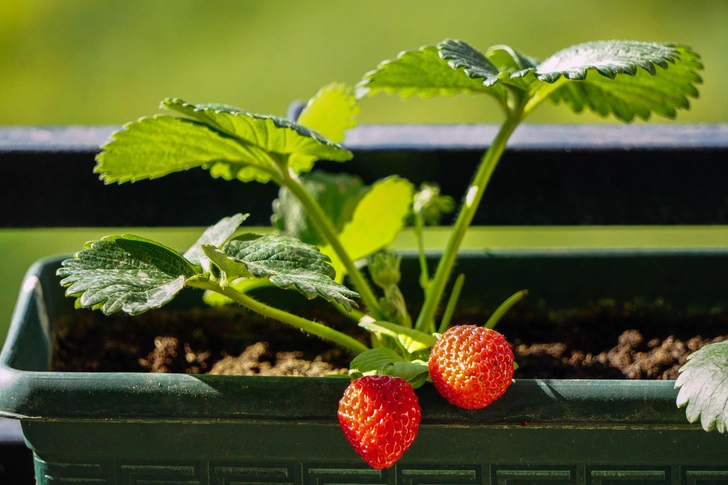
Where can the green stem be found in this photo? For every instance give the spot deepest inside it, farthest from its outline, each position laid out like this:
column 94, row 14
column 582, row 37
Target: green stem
column 308, row 326
column 424, row 272
column 425, row 321
column 504, row 307
column 452, row 303
column 317, row 215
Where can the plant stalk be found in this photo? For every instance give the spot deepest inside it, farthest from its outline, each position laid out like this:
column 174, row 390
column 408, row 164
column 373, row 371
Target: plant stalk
column 420, row 237
column 426, row 318
column 308, row 326
column 452, row 303
column 317, row 215
column 504, row 307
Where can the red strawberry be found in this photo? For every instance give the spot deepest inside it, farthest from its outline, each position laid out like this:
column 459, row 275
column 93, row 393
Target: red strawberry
column 380, row 416
column 471, row 366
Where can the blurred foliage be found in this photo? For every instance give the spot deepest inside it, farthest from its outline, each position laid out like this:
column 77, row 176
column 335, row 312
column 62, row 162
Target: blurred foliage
column 108, row 62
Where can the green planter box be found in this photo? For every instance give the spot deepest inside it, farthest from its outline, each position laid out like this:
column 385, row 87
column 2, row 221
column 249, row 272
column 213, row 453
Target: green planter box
column 182, row 429
column 155, row 429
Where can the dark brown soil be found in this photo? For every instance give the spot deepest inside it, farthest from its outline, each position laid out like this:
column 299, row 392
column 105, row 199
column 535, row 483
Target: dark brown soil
column 604, row 341
column 197, row 341
column 633, row 357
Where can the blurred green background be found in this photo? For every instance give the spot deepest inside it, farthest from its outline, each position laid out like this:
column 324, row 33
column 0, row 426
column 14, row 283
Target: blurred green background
column 108, row 62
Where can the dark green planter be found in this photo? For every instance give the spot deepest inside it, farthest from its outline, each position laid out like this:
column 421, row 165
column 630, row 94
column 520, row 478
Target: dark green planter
column 154, row 429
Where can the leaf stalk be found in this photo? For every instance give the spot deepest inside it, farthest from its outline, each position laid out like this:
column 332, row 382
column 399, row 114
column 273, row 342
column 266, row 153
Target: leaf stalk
column 308, row 326
column 420, row 237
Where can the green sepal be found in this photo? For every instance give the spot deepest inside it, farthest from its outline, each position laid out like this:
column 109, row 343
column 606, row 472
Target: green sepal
column 375, row 360
column 415, row 372
column 703, row 384
column 384, row 361
column 411, row 340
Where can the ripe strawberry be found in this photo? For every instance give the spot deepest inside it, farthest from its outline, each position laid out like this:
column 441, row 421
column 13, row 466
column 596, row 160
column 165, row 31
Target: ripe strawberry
column 380, row 416
column 471, row 366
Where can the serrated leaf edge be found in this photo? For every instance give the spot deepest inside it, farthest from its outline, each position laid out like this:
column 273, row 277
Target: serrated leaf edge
column 362, row 90
column 278, row 122
column 686, row 399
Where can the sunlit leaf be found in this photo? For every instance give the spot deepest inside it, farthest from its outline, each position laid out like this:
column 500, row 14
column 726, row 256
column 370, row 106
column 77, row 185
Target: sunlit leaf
column 286, row 262
column 125, row 273
column 625, row 78
column 337, row 194
column 376, row 222
column 157, row 146
column 703, row 384
column 423, row 73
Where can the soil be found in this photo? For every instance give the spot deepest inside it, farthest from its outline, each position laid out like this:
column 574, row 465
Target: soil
column 605, row 341
column 197, row 341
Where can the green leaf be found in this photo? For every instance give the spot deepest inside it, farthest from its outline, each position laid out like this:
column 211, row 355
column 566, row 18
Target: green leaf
column 475, row 65
column 412, row 340
column 337, row 194
column 703, row 384
column 268, row 133
column 609, row 58
column 374, row 360
column 230, row 268
column 157, row 146
column 285, row 261
column 625, row 78
column 377, row 220
column 215, row 235
column 500, row 66
column 423, row 73
column 125, row 273
column 331, row 112
column 230, row 142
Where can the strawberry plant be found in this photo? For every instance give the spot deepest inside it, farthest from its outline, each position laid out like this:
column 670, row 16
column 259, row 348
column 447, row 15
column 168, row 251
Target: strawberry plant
column 327, row 223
